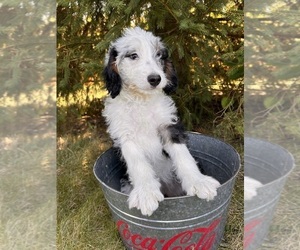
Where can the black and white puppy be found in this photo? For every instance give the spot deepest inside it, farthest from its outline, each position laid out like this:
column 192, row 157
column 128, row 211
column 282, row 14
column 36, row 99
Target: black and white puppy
column 142, row 121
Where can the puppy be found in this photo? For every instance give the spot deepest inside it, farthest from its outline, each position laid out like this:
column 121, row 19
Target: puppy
column 142, row 121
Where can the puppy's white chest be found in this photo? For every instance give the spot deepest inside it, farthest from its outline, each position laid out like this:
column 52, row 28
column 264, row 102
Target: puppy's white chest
column 145, row 117
column 139, row 121
column 151, row 113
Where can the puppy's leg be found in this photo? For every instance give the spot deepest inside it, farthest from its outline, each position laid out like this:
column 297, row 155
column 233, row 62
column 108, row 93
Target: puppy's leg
column 250, row 187
column 193, row 182
column 146, row 193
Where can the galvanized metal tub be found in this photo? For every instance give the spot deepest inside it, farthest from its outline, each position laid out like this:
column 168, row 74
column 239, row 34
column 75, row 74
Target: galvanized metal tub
column 181, row 222
column 270, row 164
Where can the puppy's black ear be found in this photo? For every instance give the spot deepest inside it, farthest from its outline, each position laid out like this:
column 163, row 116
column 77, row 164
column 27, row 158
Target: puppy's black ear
column 111, row 76
column 170, row 73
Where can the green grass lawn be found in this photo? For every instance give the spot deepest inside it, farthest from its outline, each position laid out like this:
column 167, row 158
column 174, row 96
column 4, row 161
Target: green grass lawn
column 84, row 220
column 28, row 170
column 27, row 192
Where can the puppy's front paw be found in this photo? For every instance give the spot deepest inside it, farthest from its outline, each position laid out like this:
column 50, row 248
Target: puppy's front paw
column 145, row 198
column 205, row 187
column 250, row 187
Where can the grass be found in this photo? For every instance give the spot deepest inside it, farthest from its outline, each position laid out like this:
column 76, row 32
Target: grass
column 28, row 193
column 84, row 221
column 28, row 171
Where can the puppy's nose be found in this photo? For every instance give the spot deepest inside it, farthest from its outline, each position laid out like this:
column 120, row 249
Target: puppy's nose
column 154, row 80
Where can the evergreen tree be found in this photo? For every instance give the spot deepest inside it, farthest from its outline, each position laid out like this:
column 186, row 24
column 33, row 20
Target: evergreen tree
column 272, row 74
column 27, row 42
column 204, row 38
column 27, row 63
column 272, row 34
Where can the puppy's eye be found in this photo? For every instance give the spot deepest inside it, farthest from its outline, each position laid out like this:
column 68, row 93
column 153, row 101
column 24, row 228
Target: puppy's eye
column 162, row 54
column 158, row 54
column 133, row 56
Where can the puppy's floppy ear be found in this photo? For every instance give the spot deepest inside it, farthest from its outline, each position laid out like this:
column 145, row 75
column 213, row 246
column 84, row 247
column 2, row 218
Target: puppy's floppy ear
column 111, row 76
column 170, row 74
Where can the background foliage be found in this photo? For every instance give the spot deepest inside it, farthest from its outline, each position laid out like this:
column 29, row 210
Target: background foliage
column 27, row 65
column 205, row 40
column 272, row 73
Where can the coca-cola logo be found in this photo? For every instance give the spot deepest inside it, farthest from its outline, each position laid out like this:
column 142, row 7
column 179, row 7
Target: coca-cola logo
column 250, row 231
column 195, row 239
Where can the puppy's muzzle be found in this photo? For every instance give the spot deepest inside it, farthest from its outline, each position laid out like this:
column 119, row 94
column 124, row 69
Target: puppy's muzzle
column 154, row 80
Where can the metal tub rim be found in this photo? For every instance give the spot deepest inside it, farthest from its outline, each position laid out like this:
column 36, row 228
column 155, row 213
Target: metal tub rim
column 181, row 197
column 289, row 155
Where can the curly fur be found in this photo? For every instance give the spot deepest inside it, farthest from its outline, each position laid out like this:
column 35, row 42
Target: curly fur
column 142, row 121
